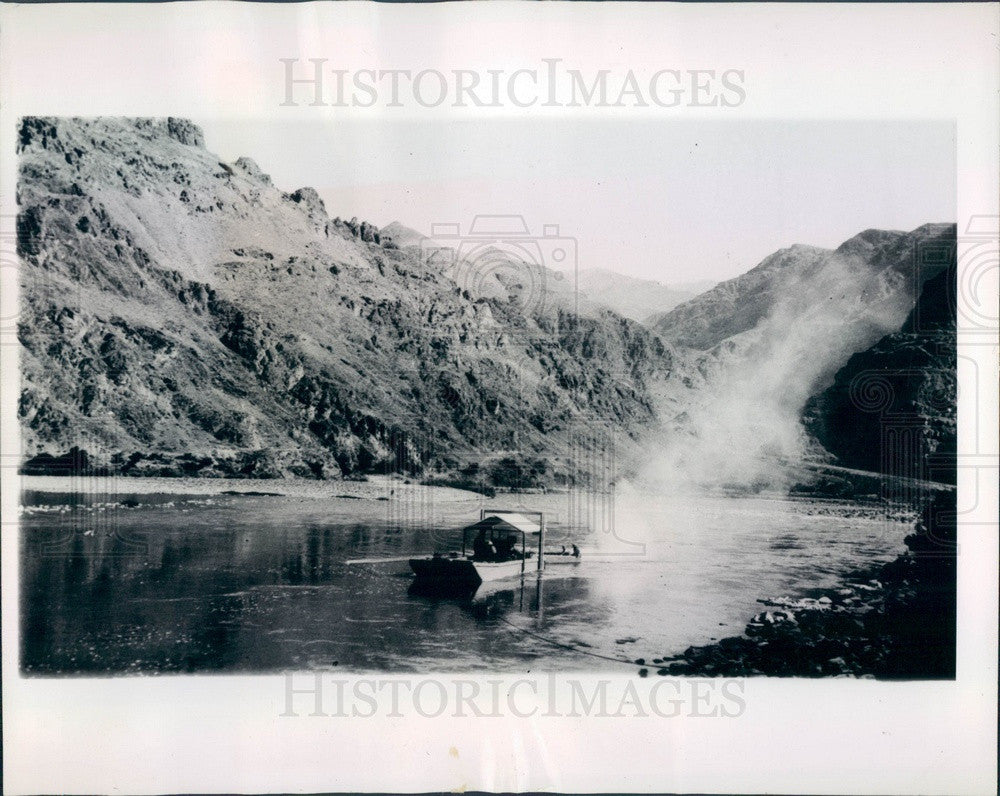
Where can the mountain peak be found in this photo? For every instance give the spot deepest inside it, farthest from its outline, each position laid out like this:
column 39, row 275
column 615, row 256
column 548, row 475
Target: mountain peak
column 869, row 240
column 232, row 328
column 741, row 303
column 57, row 132
column 185, row 131
column 310, row 199
column 401, row 235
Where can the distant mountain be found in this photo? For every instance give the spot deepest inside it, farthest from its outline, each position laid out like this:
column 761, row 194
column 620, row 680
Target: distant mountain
column 751, row 352
column 634, row 298
column 182, row 315
column 736, row 305
column 589, row 291
column 879, row 262
column 401, row 236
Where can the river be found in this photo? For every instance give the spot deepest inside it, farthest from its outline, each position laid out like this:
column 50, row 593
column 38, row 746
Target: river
column 134, row 576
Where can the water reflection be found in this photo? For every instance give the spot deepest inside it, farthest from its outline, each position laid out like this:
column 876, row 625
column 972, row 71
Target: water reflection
column 238, row 596
column 488, row 600
column 262, row 584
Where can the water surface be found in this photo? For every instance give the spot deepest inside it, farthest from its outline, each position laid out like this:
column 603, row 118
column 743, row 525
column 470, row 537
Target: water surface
column 154, row 582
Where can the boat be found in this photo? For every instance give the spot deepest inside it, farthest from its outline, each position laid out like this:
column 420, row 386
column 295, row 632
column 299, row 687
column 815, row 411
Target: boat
column 563, row 556
column 494, row 554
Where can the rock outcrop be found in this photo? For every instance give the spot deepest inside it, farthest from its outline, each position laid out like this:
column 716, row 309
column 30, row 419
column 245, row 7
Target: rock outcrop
column 181, row 315
column 892, row 408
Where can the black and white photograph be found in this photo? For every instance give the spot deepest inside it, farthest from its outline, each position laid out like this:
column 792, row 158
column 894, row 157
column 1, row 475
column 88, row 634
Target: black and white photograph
column 499, row 397
column 264, row 432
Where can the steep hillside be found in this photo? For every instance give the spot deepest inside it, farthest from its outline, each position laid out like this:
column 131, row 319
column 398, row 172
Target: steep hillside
column 892, row 408
column 751, row 352
column 736, row 305
column 589, row 292
column 180, row 314
column 638, row 299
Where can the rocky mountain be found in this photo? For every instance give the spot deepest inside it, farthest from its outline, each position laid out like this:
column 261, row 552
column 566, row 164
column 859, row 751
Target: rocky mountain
column 638, row 299
column 751, row 352
column 592, row 289
column 505, row 267
column 181, row 315
column 401, row 236
column 736, row 305
column 892, row 408
column 185, row 315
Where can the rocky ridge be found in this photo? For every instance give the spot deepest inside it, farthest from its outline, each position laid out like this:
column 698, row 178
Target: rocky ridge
column 182, row 315
column 751, row 353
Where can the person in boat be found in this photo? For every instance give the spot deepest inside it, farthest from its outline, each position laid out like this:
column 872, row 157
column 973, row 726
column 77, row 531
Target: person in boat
column 483, row 549
column 505, row 544
column 576, row 551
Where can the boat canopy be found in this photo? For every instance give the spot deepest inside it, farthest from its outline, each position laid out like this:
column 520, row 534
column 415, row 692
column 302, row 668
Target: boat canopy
column 515, row 522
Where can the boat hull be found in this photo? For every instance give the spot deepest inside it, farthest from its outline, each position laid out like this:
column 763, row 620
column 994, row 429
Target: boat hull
column 463, row 571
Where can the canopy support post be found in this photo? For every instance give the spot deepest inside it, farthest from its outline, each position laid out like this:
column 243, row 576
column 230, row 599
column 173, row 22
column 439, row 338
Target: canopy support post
column 541, row 544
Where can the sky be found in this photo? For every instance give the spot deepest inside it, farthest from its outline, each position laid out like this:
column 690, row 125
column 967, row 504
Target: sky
column 675, row 201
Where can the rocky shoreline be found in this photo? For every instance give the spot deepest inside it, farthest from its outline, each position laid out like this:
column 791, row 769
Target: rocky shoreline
column 895, row 621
